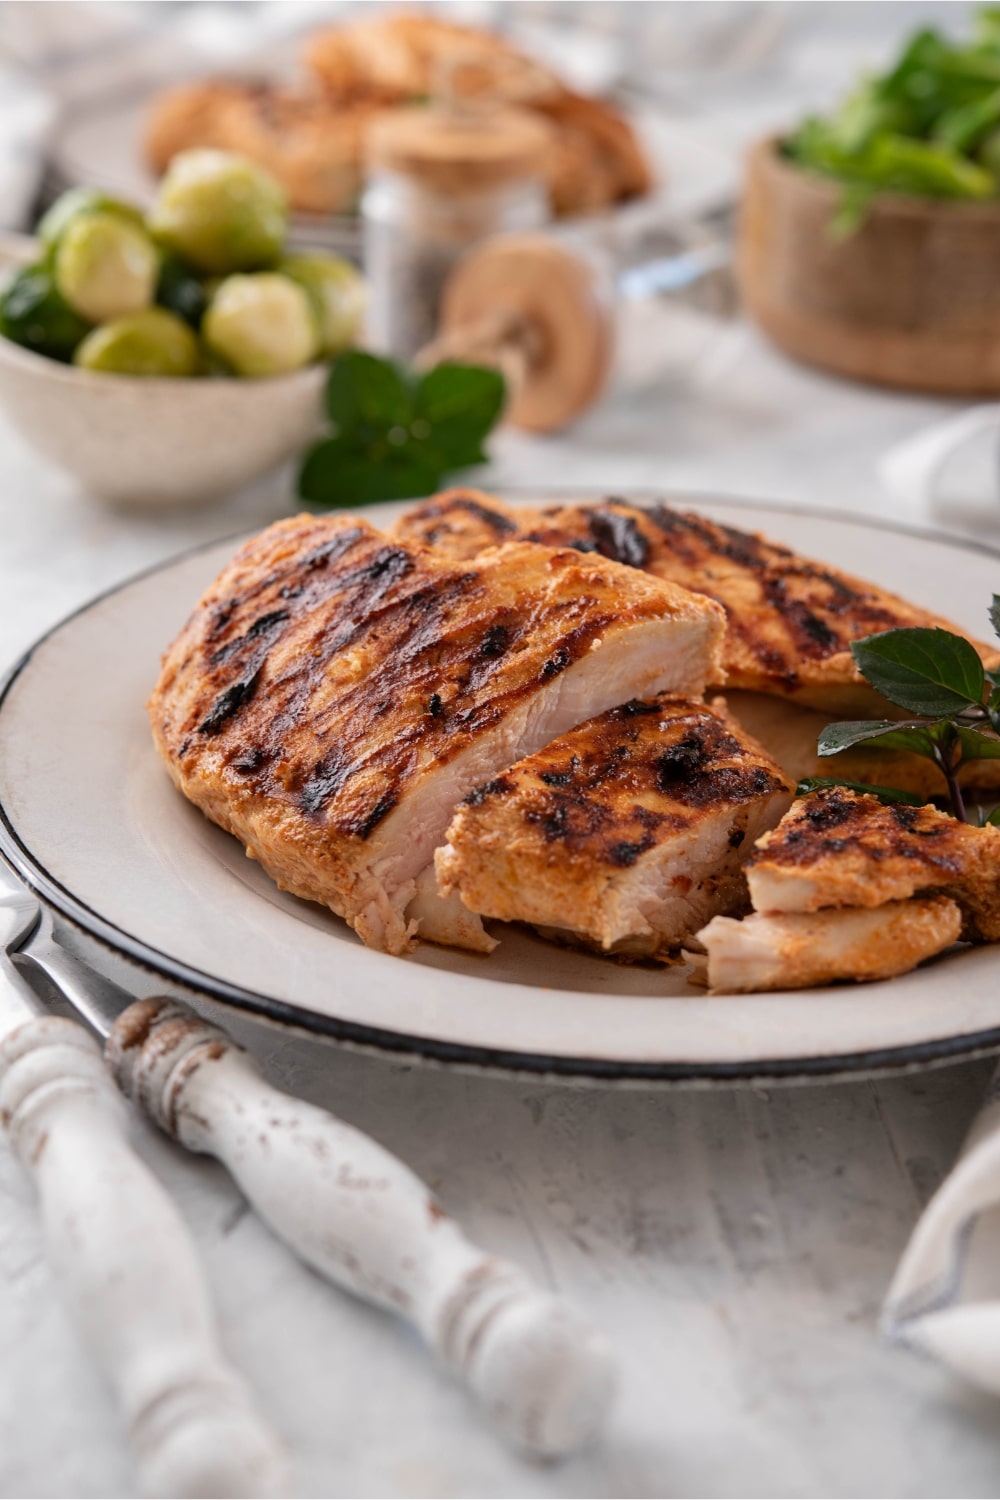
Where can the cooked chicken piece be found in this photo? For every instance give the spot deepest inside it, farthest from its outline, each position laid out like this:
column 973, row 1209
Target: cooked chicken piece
column 313, row 149
column 796, row 951
column 596, row 158
column 789, row 732
column 397, row 56
column 839, row 848
column 791, row 621
column 335, row 694
column 628, row 833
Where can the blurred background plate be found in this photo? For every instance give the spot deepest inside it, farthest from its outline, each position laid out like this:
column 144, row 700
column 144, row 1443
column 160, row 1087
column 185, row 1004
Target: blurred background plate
column 102, row 146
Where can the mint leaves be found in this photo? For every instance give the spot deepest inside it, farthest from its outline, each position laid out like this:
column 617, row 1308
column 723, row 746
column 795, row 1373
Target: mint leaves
column 929, row 672
column 939, row 678
column 395, row 435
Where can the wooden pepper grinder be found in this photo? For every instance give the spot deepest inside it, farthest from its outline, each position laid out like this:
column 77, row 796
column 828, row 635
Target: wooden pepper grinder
column 540, row 312
column 441, row 179
column 542, row 309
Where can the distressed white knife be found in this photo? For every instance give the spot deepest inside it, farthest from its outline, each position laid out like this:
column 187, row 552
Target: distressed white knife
column 346, row 1206
column 122, row 1254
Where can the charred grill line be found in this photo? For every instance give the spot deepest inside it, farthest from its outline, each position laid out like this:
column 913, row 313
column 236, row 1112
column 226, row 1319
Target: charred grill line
column 230, row 702
column 618, row 537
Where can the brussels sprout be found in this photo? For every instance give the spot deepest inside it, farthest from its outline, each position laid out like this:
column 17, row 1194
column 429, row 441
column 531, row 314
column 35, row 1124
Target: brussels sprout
column 338, row 295
column 81, row 200
column 151, row 342
column 105, row 267
column 220, row 212
column 180, row 292
column 261, row 325
column 33, row 314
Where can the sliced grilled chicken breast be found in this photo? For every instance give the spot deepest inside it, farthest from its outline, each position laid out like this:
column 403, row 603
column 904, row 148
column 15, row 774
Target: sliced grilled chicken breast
column 627, row 833
column 790, row 621
column 789, row 732
column 796, row 951
column 335, row 694
column 839, row 848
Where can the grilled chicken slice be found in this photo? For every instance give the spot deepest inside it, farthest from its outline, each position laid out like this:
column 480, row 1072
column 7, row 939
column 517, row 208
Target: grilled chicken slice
column 627, row 834
column 791, row 621
column 789, row 732
column 794, row 951
column 335, row 694
column 840, row 848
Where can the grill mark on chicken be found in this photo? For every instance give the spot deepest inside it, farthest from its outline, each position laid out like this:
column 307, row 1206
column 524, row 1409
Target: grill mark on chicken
column 838, row 848
column 616, row 759
column 791, row 621
column 617, row 536
column 261, row 626
column 832, row 820
column 498, row 526
column 327, row 700
column 230, row 701
column 562, row 840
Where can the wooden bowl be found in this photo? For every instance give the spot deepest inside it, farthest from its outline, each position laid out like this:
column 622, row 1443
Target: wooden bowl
column 911, row 299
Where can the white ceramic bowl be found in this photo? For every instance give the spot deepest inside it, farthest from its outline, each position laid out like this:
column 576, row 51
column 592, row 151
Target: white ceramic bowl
column 146, row 442
column 155, row 442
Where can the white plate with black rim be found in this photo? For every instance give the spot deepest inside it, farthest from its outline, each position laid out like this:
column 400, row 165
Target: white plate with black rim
column 91, row 821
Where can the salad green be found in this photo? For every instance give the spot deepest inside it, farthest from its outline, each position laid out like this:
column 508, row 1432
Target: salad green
column 929, row 126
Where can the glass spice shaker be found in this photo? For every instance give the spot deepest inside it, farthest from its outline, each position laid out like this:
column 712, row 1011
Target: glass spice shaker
column 440, row 180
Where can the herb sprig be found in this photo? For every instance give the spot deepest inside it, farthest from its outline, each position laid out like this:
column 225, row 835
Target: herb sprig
column 929, row 125
column 396, row 434
column 939, row 679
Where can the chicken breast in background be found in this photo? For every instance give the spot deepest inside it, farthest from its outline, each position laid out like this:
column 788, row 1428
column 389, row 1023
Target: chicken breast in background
column 789, row 733
column 840, row 848
column 791, row 621
column 335, row 694
column 797, row 951
column 628, row 833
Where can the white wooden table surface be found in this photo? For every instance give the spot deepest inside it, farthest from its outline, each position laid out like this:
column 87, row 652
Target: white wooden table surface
column 736, row 1244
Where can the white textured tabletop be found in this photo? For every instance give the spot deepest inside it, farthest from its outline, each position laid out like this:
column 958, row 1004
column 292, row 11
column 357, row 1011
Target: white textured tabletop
column 735, row 1244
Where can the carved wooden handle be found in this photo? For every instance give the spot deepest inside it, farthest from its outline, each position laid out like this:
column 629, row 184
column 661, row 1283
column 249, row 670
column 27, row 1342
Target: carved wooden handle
column 124, row 1258
column 362, row 1219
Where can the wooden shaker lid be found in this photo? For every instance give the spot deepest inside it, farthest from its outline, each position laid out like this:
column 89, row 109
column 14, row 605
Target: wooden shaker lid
column 564, row 309
column 460, row 150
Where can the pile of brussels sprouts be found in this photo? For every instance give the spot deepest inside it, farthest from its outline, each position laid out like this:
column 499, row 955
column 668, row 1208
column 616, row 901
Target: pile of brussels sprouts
column 201, row 285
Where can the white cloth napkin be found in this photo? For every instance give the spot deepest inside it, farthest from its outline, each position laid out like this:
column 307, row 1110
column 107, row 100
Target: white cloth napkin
column 945, row 1298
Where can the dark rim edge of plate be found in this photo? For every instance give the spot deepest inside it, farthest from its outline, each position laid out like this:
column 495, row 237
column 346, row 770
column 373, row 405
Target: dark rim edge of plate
column 497, row 1060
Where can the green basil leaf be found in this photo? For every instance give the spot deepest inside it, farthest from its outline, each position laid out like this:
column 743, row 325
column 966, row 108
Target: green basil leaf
column 977, row 744
column 993, row 707
column 994, row 817
column 884, row 793
column 888, row 734
column 927, row 671
column 995, row 615
column 335, row 475
column 364, row 392
column 460, row 404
